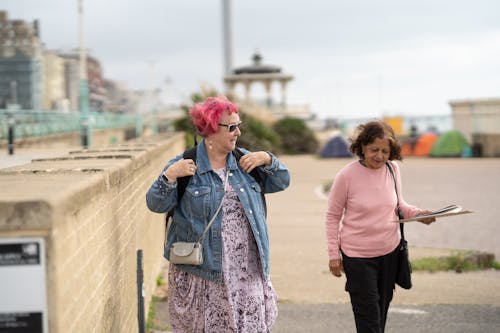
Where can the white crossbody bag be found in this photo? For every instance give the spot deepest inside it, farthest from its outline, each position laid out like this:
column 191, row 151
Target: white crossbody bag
column 191, row 253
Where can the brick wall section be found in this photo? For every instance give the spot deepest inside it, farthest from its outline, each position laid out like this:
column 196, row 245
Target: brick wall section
column 90, row 208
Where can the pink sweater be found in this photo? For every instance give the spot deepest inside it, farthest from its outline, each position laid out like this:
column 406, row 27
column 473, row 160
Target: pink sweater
column 361, row 210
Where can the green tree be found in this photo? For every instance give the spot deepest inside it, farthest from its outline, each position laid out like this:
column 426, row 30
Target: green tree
column 255, row 135
column 296, row 137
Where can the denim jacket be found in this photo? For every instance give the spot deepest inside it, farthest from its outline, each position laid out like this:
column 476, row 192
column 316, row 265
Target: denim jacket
column 201, row 199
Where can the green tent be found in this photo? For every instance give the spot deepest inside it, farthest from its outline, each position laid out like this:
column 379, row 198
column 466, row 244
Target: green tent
column 450, row 144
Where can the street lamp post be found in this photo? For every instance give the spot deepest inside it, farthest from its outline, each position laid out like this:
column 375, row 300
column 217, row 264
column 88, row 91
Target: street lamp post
column 11, row 120
column 11, row 123
column 86, row 133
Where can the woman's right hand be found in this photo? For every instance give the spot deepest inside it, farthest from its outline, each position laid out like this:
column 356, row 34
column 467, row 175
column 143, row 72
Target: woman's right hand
column 336, row 267
column 181, row 168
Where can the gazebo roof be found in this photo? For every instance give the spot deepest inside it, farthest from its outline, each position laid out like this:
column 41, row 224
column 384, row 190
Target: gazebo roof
column 257, row 72
column 257, row 67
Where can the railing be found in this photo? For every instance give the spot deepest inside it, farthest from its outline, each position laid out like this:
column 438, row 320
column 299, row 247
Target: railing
column 29, row 123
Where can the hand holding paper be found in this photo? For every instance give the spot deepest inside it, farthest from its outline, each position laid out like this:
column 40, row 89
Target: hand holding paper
column 443, row 212
column 426, row 220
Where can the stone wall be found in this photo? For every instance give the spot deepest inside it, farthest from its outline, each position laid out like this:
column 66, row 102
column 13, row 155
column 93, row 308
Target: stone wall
column 89, row 206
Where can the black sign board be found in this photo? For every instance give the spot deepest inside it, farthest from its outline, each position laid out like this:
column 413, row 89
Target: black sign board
column 12, row 254
column 26, row 322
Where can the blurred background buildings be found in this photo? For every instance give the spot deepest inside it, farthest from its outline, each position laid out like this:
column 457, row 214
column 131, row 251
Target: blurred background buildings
column 37, row 78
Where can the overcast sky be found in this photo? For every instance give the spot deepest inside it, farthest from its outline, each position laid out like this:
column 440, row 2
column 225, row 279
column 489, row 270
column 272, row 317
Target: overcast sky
column 350, row 58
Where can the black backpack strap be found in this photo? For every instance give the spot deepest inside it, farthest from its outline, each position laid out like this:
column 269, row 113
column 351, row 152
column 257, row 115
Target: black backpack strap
column 238, row 153
column 182, row 182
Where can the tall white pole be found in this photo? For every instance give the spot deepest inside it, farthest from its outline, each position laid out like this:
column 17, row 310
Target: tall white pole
column 84, row 87
column 228, row 38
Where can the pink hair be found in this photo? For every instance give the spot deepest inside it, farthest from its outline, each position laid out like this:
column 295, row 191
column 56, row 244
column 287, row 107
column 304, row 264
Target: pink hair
column 206, row 115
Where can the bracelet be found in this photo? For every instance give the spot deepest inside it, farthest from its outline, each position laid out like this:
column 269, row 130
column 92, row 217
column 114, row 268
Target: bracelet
column 271, row 156
column 164, row 178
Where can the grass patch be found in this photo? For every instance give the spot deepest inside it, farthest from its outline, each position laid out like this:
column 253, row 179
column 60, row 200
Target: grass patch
column 151, row 313
column 157, row 301
column 151, row 323
column 461, row 262
column 159, row 281
column 327, row 186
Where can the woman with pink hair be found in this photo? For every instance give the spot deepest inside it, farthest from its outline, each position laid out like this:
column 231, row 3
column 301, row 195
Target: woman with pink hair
column 223, row 208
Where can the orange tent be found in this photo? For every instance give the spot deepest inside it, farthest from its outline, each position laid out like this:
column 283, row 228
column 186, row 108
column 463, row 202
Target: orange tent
column 424, row 144
column 422, row 147
column 406, row 149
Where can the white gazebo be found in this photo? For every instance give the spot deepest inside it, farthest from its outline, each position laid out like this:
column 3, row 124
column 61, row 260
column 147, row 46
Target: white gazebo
column 257, row 72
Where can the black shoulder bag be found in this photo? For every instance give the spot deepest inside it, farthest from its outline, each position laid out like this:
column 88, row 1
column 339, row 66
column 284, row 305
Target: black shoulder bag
column 403, row 272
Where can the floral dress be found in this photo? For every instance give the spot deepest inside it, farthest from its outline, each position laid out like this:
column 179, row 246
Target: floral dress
column 244, row 302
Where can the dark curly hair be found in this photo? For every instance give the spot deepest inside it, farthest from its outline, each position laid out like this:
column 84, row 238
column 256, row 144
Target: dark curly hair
column 367, row 133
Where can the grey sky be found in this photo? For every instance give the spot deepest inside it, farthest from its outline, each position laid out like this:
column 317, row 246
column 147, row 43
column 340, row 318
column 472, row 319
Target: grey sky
column 350, row 58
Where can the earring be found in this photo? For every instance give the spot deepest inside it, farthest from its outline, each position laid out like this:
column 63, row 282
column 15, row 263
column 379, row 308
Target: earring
column 210, row 145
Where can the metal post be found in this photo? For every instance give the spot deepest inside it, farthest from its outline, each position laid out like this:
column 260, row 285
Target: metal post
column 140, row 293
column 13, row 91
column 138, row 126
column 227, row 35
column 11, row 122
column 86, row 133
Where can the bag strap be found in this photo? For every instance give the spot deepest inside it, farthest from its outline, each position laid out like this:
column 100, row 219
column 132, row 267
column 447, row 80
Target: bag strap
column 217, row 211
column 400, row 214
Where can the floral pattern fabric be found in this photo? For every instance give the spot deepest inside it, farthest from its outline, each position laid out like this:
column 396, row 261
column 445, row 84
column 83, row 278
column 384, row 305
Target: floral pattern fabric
column 244, row 302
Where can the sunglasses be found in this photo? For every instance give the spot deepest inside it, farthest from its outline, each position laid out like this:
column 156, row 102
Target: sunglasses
column 231, row 127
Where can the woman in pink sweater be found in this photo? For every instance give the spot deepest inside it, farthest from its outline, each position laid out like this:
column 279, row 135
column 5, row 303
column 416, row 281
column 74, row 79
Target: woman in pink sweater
column 362, row 238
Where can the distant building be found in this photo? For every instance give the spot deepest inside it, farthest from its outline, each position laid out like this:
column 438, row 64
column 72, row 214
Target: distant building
column 268, row 75
column 479, row 121
column 97, row 90
column 472, row 116
column 71, row 80
column 54, row 94
column 255, row 73
column 36, row 78
column 20, row 63
column 119, row 98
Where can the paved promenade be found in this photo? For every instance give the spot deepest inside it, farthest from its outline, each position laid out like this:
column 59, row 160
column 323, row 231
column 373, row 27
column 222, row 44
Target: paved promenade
column 311, row 300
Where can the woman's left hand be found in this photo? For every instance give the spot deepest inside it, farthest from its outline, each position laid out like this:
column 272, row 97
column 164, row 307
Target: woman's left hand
column 427, row 220
column 252, row 160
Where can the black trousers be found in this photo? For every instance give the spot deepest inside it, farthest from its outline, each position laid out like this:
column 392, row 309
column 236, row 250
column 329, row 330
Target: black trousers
column 370, row 283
